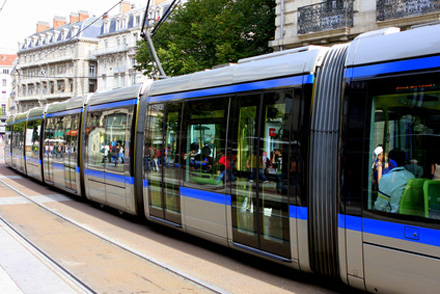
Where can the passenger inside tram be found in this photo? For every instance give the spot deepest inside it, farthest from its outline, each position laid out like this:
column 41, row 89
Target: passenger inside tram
column 405, row 118
column 393, row 183
column 435, row 170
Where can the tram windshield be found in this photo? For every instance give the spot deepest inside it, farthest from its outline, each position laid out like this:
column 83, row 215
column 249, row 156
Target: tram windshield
column 404, row 174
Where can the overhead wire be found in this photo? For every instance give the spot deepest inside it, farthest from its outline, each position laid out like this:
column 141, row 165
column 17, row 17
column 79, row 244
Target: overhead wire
column 170, row 9
column 77, row 34
column 4, row 3
column 172, row 6
column 147, row 36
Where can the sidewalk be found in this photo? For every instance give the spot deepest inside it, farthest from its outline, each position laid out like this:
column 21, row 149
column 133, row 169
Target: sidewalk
column 22, row 272
column 7, row 284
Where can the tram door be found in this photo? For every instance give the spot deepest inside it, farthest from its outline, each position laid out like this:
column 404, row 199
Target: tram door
column 49, row 132
column 259, row 143
column 70, row 124
column 162, row 164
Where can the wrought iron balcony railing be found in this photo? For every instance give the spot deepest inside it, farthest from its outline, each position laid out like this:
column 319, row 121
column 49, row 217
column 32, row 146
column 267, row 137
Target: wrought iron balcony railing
column 328, row 15
column 395, row 9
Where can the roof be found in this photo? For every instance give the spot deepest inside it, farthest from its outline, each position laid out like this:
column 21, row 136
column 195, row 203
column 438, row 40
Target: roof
column 7, row 59
column 391, row 44
column 88, row 28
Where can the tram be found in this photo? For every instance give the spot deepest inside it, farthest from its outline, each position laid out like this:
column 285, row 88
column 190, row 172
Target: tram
column 275, row 156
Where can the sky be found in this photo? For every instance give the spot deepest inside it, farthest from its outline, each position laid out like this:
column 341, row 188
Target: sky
column 18, row 18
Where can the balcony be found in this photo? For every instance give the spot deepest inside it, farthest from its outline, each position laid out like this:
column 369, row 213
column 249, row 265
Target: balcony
column 325, row 16
column 397, row 9
column 112, row 50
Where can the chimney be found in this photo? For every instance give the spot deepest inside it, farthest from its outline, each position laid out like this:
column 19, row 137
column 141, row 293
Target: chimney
column 83, row 15
column 125, row 6
column 74, row 17
column 59, row 21
column 42, row 26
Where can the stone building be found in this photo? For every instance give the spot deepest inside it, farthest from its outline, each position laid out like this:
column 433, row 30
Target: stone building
column 308, row 22
column 6, row 66
column 76, row 56
column 117, row 44
column 56, row 62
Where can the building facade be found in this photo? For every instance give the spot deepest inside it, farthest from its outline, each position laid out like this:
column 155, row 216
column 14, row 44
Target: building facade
column 56, row 62
column 80, row 55
column 117, row 44
column 6, row 66
column 308, row 22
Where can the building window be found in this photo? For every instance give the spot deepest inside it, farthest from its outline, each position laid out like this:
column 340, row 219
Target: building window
column 4, row 83
column 6, row 71
column 92, row 86
column 92, row 70
column 3, row 109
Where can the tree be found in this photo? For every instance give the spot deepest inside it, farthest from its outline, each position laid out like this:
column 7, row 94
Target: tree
column 204, row 33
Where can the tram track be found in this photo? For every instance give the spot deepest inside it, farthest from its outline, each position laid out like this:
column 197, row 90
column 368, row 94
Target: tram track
column 75, row 278
column 46, row 258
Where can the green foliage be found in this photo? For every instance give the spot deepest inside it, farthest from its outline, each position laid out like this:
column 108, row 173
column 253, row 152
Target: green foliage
column 205, row 33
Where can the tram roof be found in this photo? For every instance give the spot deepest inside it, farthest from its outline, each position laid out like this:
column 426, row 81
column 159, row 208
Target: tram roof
column 10, row 119
column 36, row 112
column 73, row 103
column 20, row 116
column 121, row 94
column 280, row 64
column 391, row 44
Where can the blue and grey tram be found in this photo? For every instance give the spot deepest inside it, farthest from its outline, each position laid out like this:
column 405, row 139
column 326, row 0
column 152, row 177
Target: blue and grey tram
column 322, row 159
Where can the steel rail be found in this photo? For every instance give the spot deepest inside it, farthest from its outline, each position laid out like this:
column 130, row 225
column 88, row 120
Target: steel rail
column 151, row 260
column 46, row 257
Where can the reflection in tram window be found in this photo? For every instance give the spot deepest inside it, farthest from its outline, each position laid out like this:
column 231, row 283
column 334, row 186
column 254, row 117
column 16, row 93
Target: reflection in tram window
column 33, row 138
column 95, row 148
column 162, row 160
column 204, row 142
column 115, row 136
column 154, row 131
column 405, row 117
column 266, row 169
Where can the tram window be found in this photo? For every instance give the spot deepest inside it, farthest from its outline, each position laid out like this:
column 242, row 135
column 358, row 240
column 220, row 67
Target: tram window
column 153, row 137
column 204, row 133
column 72, row 135
column 17, row 138
column 32, row 138
column 58, row 141
column 403, row 148
column 49, row 132
column 116, row 131
column 282, row 142
column 8, row 135
column 95, row 146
